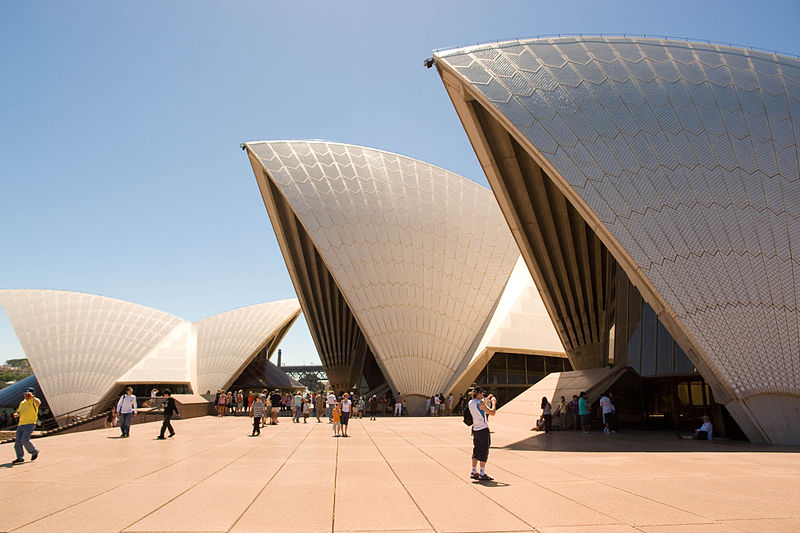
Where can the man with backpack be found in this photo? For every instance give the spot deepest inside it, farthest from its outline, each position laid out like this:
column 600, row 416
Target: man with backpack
column 26, row 414
column 476, row 415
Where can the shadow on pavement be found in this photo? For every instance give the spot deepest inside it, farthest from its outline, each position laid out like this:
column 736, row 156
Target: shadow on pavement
column 635, row 441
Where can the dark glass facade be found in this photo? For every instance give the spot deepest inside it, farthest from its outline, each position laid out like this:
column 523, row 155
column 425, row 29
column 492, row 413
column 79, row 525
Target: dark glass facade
column 508, row 374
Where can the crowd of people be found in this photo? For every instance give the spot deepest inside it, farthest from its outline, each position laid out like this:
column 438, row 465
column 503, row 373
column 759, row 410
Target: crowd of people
column 576, row 414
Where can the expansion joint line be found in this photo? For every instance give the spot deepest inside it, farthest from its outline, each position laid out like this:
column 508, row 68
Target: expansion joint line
column 126, row 482
column 272, row 476
column 461, row 478
column 335, row 479
column 398, row 478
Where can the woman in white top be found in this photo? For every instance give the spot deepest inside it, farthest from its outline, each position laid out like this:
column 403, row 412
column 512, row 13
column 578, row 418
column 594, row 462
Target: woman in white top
column 346, row 404
column 547, row 414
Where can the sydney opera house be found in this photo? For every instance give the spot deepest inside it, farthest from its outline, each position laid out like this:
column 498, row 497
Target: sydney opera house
column 652, row 187
column 85, row 349
column 399, row 266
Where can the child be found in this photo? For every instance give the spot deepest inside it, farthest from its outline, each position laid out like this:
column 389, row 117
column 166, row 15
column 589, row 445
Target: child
column 337, row 418
column 306, row 410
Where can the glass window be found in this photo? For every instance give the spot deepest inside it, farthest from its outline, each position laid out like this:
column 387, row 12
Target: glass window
column 516, row 369
column 648, row 341
column 682, row 363
column 535, row 368
column 497, row 369
column 697, row 394
column 664, row 362
column 683, row 393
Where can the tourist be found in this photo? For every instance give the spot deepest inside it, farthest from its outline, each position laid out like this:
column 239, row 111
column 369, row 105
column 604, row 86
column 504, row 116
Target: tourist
column 229, row 403
column 704, row 432
column 346, row 408
column 560, row 412
column 481, row 439
column 297, row 407
column 449, row 404
column 250, row 399
column 613, row 414
column 319, row 401
column 239, row 402
column 336, row 416
column 373, row 406
column 169, row 409
column 126, row 407
column 547, row 415
column 361, row 406
column 306, row 410
column 26, row 414
column 606, row 407
column 223, row 399
column 257, row 410
column 440, row 405
column 276, row 401
column 398, row 405
column 583, row 413
column 331, row 404
column 572, row 410
column 111, row 419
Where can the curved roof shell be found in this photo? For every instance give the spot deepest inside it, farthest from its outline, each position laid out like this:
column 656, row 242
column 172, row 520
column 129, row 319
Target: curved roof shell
column 227, row 342
column 683, row 157
column 420, row 255
column 81, row 346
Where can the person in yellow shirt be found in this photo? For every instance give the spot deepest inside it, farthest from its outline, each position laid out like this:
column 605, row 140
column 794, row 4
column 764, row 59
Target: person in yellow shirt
column 337, row 419
column 27, row 414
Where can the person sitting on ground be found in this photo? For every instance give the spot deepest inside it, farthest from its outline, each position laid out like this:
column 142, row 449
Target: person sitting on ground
column 704, row 432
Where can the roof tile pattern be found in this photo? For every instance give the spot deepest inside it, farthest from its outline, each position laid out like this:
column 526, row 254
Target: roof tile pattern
column 688, row 154
column 79, row 344
column 420, row 254
column 228, row 341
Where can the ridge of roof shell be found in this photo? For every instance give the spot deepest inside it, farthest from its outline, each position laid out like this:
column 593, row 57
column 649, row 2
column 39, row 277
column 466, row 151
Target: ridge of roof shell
column 361, row 147
column 10, row 292
column 606, row 37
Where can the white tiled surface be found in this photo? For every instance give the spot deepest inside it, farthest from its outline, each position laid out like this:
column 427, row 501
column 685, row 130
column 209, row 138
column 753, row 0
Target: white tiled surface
column 420, row 254
column 688, row 154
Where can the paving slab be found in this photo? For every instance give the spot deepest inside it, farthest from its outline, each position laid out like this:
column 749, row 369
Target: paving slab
column 395, row 475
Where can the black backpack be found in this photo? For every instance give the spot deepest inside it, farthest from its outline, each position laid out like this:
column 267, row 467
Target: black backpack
column 467, row 415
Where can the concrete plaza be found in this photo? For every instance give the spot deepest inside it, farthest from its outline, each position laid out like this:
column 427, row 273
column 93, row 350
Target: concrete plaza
column 398, row 475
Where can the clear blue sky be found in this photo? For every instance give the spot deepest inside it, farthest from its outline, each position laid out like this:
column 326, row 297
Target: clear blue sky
column 120, row 124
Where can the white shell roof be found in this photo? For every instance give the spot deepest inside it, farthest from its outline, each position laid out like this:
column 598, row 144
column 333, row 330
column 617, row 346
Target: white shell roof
column 420, row 254
column 79, row 344
column 227, row 342
column 687, row 154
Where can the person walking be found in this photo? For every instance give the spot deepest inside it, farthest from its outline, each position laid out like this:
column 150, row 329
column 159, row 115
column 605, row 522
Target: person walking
column 481, row 439
column 297, row 407
column 169, row 409
column 398, row 405
column 276, row 400
column 331, row 404
column 319, row 401
column 306, row 410
column 257, row 410
column 127, row 408
column 373, row 406
column 606, row 408
column 27, row 414
column 450, row 404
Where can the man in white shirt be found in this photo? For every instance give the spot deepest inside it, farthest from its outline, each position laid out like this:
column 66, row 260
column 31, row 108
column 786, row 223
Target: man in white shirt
column 704, row 432
column 126, row 407
column 331, row 405
column 398, row 405
column 480, row 408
